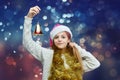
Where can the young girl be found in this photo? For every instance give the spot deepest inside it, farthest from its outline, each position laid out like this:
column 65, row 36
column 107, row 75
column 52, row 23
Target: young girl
column 65, row 60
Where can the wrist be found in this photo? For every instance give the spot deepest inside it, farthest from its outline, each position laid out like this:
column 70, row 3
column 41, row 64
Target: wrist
column 28, row 20
column 29, row 15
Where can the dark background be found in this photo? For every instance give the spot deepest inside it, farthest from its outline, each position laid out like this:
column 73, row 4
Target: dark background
column 95, row 25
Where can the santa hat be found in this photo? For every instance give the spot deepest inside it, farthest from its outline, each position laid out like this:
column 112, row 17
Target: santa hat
column 57, row 29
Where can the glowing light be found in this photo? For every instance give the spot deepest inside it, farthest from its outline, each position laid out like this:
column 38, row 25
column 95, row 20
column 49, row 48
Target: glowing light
column 36, row 76
column 48, row 7
column 37, row 70
column 44, row 17
column 101, row 58
column 40, row 73
column 93, row 44
column 38, row 30
column 46, row 29
column 61, row 20
column 21, row 69
column 99, row 37
column 10, row 61
column 68, row 21
column 14, row 51
column 56, row 20
column 5, row 38
column 9, row 34
column 82, row 40
column 21, row 27
column 8, row 24
column 5, row 7
column 80, row 27
column 53, row 10
column 69, row 15
column 64, row 15
column 2, row 30
column 98, row 45
column 15, row 13
column 64, row 0
column 1, row 23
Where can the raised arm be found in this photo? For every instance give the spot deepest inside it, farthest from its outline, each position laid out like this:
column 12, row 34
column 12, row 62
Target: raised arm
column 34, row 48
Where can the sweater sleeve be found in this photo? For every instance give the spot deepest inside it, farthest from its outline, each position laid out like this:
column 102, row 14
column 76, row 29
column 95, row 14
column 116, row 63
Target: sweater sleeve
column 34, row 48
column 89, row 61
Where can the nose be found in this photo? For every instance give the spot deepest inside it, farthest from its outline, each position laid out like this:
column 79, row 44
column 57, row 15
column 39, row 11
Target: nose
column 59, row 39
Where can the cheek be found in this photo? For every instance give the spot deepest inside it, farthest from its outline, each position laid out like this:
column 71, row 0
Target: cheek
column 66, row 43
column 54, row 42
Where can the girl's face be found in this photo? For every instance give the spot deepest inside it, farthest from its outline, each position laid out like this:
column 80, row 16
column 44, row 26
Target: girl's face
column 61, row 40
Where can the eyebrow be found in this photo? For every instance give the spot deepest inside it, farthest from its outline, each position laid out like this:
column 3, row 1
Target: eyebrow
column 61, row 35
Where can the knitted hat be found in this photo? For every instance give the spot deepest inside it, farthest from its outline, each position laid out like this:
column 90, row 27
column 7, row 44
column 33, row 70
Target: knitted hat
column 59, row 28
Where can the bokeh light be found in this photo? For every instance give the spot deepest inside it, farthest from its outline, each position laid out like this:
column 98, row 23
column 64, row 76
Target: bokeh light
column 95, row 25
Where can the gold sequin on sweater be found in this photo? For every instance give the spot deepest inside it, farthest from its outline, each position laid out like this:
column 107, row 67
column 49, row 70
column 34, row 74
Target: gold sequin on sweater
column 65, row 67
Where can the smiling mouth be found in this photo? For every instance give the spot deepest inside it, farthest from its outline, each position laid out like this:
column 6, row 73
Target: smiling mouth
column 60, row 43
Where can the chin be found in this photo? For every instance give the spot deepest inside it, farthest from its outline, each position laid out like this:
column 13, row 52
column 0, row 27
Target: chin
column 61, row 47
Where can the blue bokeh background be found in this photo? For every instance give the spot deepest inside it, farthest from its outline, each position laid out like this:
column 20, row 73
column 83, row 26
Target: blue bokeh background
column 95, row 25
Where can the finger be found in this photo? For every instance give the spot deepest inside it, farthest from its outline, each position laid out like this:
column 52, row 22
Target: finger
column 72, row 44
column 35, row 9
column 34, row 13
column 38, row 8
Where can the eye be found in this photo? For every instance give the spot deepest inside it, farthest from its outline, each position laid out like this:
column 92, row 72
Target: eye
column 55, row 37
column 63, row 36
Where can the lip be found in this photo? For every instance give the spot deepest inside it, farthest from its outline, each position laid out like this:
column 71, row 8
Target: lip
column 59, row 43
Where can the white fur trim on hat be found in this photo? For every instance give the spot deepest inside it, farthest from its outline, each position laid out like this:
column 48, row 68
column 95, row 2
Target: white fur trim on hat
column 58, row 29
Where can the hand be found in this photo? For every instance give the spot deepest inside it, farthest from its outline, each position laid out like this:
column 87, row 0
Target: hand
column 72, row 44
column 33, row 11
